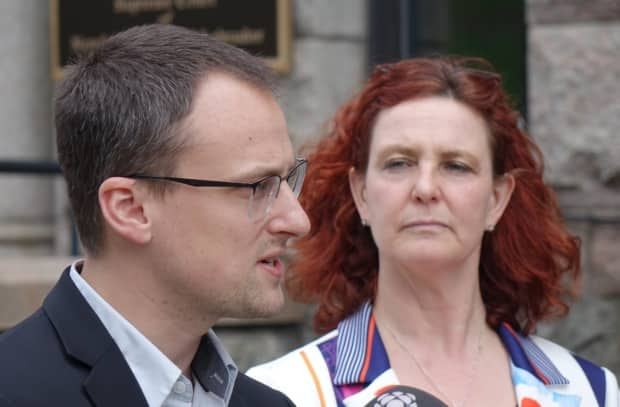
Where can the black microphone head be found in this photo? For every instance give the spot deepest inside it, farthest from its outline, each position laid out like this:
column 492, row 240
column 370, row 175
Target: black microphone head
column 405, row 396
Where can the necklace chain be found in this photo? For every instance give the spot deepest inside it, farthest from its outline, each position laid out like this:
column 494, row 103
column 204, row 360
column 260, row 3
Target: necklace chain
column 427, row 376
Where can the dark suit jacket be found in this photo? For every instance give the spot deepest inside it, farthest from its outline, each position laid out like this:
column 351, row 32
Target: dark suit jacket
column 62, row 355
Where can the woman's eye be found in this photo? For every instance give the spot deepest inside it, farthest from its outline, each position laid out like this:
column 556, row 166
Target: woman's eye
column 397, row 163
column 457, row 166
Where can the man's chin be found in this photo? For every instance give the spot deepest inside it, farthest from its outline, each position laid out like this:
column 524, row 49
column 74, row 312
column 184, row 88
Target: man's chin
column 267, row 308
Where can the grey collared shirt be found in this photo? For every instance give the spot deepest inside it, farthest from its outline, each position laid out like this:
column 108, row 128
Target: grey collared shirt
column 160, row 380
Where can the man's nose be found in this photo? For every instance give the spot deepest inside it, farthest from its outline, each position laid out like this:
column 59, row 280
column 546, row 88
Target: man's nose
column 288, row 216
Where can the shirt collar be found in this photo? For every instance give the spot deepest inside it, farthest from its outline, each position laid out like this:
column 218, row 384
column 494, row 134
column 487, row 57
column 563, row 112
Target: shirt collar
column 155, row 373
column 525, row 354
column 361, row 356
column 214, row 367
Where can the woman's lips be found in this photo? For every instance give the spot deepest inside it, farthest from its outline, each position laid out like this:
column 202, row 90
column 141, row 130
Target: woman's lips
column 426, row 224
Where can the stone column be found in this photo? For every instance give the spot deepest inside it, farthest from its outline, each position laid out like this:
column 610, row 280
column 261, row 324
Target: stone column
column 26, row 131
column 574, row 112
column 329, row 63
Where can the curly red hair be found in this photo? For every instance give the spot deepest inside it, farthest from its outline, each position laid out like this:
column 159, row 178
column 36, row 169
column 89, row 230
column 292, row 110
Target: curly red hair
column 523, row 261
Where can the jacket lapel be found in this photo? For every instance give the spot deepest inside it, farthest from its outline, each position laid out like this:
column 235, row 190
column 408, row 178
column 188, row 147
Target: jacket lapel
column 111, row 382
column 84, row 338
column 237, row 400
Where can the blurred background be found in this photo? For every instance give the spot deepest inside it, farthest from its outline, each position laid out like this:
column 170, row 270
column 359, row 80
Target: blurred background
column 560, row 60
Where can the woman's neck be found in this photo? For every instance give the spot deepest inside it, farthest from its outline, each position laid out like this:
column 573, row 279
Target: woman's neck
column 442, row 309
column 432, row 323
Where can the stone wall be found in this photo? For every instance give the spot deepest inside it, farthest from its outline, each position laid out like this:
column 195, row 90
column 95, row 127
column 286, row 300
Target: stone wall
column 26, row 223
column 574, row 115
column 329, row 63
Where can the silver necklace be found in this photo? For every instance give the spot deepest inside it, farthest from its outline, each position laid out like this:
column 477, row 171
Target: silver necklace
column 427, row 376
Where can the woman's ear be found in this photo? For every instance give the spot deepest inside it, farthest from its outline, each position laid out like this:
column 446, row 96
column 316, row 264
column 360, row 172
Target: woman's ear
column 503, row 187
column 357, row 184
column 122, row 208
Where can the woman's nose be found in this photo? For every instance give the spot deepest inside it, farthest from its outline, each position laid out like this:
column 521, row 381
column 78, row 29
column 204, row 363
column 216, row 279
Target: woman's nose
column 425, row 188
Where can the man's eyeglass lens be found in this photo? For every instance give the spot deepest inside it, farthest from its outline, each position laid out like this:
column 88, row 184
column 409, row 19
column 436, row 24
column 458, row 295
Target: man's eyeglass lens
column 266, row 191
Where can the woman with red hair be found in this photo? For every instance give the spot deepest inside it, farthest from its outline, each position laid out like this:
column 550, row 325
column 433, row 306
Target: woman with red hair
column 435, row 250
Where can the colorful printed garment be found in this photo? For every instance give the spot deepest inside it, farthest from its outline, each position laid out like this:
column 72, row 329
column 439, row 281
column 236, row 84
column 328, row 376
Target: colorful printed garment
column 349, row 366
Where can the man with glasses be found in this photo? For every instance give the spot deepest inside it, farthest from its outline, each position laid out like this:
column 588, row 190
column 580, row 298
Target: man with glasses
column 183, row 184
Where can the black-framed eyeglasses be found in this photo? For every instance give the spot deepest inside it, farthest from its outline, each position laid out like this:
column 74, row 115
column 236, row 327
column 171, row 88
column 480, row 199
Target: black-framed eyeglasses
column 264, row 191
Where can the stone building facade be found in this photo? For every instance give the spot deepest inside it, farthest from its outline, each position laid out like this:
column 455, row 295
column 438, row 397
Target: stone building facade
column 573, row 59
column 574, row 114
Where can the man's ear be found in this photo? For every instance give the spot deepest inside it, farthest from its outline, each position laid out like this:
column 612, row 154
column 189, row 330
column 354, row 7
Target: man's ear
column 121, row 203
column 357, row 184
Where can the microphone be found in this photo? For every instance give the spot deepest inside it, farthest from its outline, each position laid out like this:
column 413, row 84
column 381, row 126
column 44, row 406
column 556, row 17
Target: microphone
column 404, row 396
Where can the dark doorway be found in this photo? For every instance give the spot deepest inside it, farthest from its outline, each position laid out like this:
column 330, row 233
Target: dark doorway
column 494, row 30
